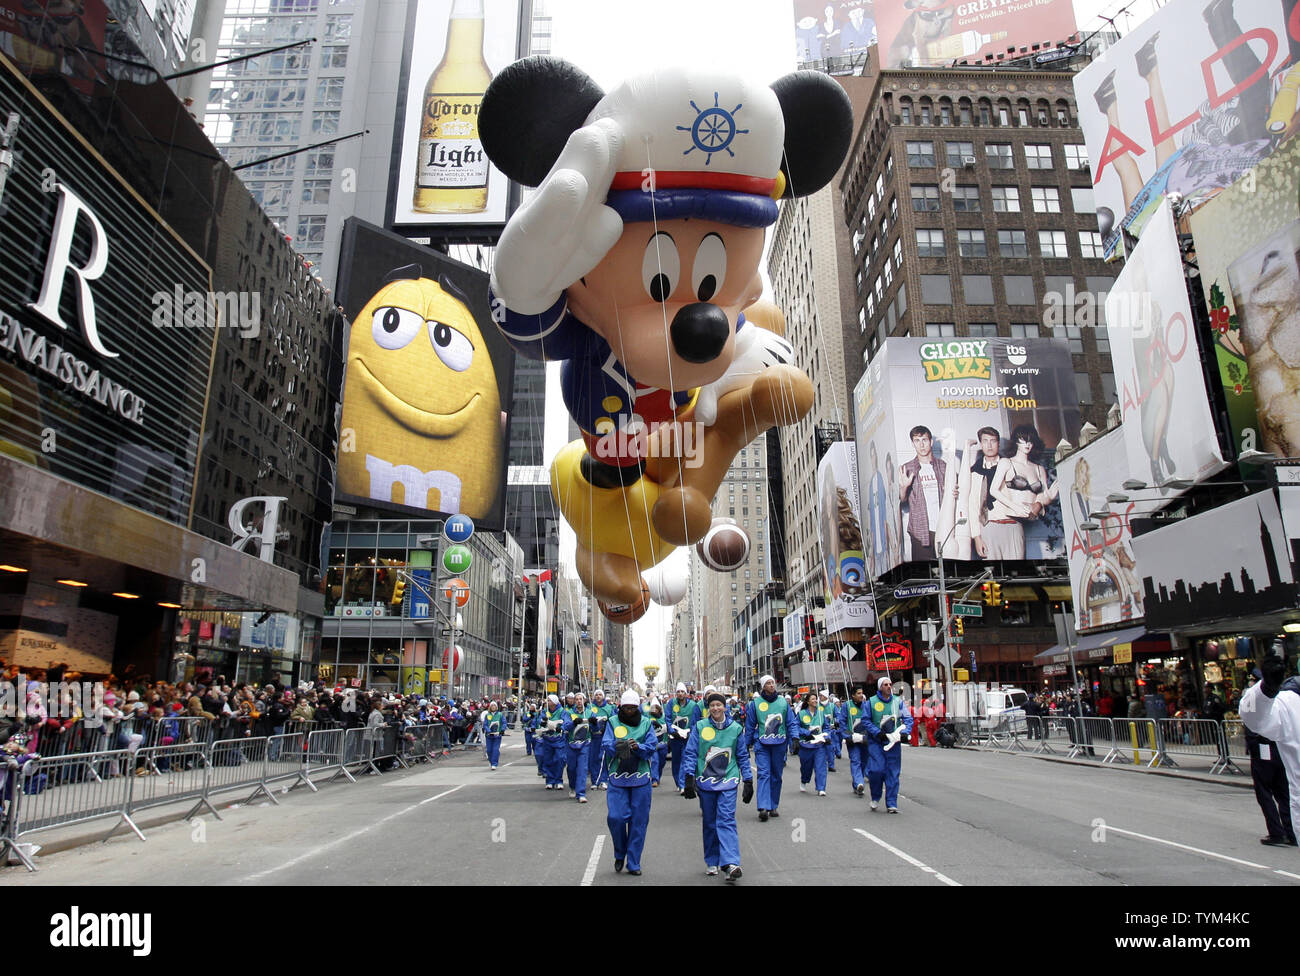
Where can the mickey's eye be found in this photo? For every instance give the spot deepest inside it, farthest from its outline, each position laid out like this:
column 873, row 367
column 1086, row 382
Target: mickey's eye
column 453, row 348
column 710, row 267
column 393, row 328
column 661, row 267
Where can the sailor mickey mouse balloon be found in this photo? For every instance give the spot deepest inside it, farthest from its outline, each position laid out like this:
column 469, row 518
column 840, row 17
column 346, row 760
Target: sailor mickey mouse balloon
column 633, row 265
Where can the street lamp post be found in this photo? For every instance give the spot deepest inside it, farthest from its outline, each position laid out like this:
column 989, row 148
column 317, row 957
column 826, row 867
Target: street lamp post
column 944, row 616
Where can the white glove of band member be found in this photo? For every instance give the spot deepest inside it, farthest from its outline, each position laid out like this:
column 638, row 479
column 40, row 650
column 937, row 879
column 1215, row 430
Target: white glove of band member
column 564, row 230
column 756, row 350
column 894, row 737
column 857, row 737
column 681, row 733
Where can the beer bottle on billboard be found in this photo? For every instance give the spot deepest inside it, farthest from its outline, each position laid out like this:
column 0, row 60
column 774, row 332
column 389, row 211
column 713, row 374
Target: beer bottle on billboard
column 451, row 172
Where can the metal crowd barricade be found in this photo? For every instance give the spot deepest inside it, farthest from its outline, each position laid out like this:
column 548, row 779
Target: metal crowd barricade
column 290, row 762
column 1139, row 741
column 1199, row 738
column 1100, row 738
column 1234, row 740
column 359, row 746
column 965, row 731
column 1054, row 734
column 56, row 791
column 325, row 751
column 1004, row 732
column 237, row 764
column 170, row 774
column 178, row 730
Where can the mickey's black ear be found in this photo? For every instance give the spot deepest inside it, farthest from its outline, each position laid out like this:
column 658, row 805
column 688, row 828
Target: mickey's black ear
column 528, row 113
column 818, row 127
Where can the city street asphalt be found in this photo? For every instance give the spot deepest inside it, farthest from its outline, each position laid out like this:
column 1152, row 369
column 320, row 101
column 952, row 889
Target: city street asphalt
column 966, row 818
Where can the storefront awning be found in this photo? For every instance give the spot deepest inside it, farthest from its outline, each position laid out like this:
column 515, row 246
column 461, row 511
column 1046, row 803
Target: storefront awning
column 1053, row 655
column 1090, row 648
column 1014, row 594
column 1058, row 591
column 901, row 606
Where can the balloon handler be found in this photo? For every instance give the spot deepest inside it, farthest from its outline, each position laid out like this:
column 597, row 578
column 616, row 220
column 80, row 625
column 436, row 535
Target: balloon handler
column 633, row 265
column 717, row 761
column 889, row 722
column 629, row 747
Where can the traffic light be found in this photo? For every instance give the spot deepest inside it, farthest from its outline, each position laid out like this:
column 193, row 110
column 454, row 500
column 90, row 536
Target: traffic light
column 987, row 590
column 399, row 591
column 996, row 593
column 961, row 627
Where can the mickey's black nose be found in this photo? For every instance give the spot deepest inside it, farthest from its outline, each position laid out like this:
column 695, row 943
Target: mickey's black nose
column 699, row 332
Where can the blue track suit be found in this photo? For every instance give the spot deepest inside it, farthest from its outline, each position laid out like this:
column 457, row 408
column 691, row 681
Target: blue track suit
column 680, row 716
column 853, row 718
column 493, row 726
column 769, row 745
column 627, row 800
column 833, row 735
column 577, row 746
column 529, row 721
column 598, row 716
column 812, row 758
column 883, row 767
column 551, row 745
column 660, row 761
column 718, row 779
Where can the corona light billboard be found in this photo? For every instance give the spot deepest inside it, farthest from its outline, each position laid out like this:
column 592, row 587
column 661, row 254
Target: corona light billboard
column 441, row 176
column 425, row 425
column 955, row 442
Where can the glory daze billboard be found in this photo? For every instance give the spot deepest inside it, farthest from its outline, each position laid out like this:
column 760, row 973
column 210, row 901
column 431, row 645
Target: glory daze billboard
column 1104, row 578
column 1185, row 103
column 937, row 32
column 955, row 439
column 424, row 426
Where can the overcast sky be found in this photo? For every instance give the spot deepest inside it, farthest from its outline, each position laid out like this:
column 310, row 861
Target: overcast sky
column 614, row 40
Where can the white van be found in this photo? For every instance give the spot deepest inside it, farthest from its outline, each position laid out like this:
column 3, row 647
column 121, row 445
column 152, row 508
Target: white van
column 986, row 707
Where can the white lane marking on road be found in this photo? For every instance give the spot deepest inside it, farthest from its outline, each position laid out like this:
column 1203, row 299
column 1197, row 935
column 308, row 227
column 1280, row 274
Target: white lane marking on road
column 908, row 858
column 1186, row 847
column 1287, row 873
column 593, row 862
column 352, row 836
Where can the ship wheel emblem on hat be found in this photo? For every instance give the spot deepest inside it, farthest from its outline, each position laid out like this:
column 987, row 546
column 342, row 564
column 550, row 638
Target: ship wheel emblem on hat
column 713, row 130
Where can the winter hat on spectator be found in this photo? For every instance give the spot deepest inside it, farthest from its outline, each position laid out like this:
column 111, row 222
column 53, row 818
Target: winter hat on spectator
column 133, row 696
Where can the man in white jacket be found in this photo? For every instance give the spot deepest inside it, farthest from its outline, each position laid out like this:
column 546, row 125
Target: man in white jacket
column 1276, row 717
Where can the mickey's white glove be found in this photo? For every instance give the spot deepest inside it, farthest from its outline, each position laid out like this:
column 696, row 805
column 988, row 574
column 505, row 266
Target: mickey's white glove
column 756, row 350
column 893, row 738
column 820, row 739
column 681, row 733
column 857, row 738
column 554, row 726
column 564, row 230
